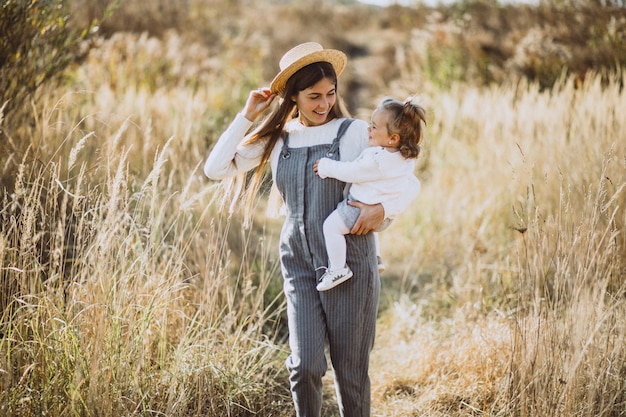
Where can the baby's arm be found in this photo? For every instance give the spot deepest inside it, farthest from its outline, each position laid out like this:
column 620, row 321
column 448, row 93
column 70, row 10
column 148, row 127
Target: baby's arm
column 359, row 170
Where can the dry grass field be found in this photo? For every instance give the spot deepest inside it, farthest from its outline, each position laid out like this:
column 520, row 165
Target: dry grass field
column 127, row 290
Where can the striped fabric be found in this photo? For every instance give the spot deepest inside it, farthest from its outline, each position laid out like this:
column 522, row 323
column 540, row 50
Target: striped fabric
column 344, row 316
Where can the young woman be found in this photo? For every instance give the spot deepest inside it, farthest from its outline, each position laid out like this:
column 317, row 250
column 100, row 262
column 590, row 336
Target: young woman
column 309, row 123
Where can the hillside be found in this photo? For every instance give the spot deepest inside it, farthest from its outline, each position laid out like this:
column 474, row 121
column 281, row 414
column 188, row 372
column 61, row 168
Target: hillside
column 475, row 42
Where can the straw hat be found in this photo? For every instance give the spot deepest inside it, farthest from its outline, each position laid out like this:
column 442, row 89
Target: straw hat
column 302, row 55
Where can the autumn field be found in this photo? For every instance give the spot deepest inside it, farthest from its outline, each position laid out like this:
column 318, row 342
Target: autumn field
column 128, row 289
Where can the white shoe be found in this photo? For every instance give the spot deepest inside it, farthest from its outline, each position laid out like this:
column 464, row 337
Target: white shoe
column 332, row 278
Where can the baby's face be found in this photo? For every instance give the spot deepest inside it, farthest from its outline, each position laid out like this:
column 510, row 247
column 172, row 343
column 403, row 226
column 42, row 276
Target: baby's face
column 378, row 134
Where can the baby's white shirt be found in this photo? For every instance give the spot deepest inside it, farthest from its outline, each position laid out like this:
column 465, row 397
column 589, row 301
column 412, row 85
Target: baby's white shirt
column 377, row 176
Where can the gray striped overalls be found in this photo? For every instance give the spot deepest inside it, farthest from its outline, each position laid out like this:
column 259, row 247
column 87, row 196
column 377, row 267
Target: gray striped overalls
column 346, row 315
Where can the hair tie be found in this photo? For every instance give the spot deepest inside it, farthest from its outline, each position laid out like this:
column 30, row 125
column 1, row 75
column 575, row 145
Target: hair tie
column 408, row 106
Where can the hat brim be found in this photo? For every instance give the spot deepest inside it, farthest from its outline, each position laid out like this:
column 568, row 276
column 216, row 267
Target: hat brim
column 334, row 57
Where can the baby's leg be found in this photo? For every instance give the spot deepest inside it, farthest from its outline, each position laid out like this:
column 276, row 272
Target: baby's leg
column 334, row 231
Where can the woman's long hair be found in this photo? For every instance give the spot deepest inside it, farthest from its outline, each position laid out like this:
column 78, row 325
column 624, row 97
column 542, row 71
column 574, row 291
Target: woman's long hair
column 271, row 128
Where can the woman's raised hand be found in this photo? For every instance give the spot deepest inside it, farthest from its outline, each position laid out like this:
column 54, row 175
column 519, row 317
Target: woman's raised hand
column 258, row 101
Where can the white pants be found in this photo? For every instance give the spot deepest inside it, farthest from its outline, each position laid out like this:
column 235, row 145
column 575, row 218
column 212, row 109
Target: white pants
column 334, row 236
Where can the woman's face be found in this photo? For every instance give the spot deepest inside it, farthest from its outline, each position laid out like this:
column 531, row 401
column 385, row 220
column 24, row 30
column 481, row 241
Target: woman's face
column 314, row 103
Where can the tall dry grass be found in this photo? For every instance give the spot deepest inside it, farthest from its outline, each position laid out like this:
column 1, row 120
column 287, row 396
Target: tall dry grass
column 126, row 291
column 513, row 258
column 121, row 299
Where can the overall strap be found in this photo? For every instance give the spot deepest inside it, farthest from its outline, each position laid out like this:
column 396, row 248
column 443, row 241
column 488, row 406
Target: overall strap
column 344, row 126
column 340, row 132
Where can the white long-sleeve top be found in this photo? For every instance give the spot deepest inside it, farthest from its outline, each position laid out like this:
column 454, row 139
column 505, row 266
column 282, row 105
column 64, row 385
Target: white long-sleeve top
column 232, row 156
column 377, row 176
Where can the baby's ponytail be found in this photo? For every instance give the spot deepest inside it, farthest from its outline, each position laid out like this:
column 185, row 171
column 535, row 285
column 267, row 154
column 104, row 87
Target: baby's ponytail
column 407, row 120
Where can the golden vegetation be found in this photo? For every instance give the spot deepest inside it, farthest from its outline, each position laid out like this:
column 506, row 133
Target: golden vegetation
column 513, row 259
column 126, row 290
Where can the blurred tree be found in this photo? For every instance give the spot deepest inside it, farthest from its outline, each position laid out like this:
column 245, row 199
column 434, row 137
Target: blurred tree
column 585, row 3
column 37, row 42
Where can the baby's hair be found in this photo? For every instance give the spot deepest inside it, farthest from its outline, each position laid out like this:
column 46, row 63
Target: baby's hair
column 406, row 120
